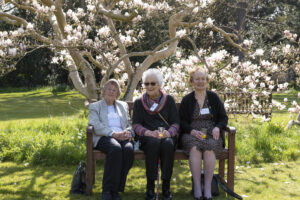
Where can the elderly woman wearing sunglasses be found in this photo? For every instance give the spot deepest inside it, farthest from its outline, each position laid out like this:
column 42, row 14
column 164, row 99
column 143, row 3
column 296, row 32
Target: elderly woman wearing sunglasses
column 153, row 111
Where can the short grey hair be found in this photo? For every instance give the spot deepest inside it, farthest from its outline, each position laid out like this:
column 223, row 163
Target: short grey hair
column 156, row 73
column 111, row 82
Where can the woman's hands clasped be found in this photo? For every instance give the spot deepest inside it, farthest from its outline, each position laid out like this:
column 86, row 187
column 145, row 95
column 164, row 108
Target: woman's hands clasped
column 157, row 134
column 198, row 134
column 201, row 136
column 123, row 135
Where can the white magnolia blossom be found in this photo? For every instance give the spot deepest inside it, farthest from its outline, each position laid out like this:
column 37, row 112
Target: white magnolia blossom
column 181, row 33
column 247, row 42
column 209, row 22
column 30, row 26
column 259, row 52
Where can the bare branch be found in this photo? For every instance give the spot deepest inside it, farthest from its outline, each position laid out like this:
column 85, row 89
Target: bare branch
column 118, row 17
column 48, row 3
column 21, row 6
column 18, row 21
column 94, row 61
column 120, row 45
column 188, row 24
column 196, row 53
column 228, row 37
column 12, row 19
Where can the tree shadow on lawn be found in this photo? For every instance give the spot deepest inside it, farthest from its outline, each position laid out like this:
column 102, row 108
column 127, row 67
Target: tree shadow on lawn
column 35, row 105
column 34, row 182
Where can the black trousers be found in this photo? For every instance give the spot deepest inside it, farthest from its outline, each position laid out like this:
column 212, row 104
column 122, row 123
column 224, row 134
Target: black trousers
column 119, row 160
column 154, row 150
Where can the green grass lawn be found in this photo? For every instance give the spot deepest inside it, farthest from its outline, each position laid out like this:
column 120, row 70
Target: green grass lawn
column 39, row 103
column 42, row 138
column 264, row 182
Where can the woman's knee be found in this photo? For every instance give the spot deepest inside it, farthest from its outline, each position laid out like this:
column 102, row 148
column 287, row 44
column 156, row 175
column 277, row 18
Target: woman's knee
column 168, row 143
column 115, row 148
column 195, row 151
column 128, row 148
column 153, row 143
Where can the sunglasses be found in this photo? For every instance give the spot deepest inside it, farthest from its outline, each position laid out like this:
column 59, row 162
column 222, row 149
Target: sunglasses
column 151, row 83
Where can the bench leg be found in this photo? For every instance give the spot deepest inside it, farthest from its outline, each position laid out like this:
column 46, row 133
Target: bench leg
column 89, row 172
column 94, row 171
column 222, row 168
column 230, row 173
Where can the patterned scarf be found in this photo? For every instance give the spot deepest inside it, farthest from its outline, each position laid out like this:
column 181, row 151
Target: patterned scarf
column 147, row 102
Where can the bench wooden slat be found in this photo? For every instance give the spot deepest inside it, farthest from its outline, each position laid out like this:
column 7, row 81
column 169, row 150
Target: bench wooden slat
column 139, row 155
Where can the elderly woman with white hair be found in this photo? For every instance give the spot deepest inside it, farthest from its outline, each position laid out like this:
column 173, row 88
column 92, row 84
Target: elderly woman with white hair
column 153, row 111
column 112, row 135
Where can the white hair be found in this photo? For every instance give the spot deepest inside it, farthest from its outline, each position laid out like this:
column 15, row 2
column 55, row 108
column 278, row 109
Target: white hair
column 156, row 73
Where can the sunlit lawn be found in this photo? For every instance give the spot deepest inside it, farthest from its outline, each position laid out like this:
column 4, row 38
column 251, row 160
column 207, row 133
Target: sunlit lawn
column 39, row 103
column 263, row 182
column 268, row 181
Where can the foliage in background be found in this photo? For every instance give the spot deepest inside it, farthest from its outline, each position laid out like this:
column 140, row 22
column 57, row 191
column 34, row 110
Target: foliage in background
column 54, row 141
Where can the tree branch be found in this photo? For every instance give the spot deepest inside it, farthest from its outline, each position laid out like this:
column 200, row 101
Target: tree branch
column 196, row 53
column 116, row 16
column 18, row 21
column 120, row 45
column 94, row 61
column 173, row 23
column 12, row 19
column 228, row 37
column 48, row 3
column 21, row 6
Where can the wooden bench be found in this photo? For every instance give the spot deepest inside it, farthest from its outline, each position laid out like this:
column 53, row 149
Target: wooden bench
column 227, row 154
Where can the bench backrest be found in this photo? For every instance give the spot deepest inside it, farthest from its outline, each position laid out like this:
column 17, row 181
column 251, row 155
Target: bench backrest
column 241, row 104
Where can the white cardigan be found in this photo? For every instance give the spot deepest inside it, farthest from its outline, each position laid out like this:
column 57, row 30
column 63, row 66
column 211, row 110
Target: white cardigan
column 99, row 120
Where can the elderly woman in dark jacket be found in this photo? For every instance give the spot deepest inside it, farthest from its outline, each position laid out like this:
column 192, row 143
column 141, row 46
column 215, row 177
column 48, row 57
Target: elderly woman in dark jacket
column 202, row 116
column 153, row 110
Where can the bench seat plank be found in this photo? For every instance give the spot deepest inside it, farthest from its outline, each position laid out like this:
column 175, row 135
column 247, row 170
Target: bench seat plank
column 139, row 155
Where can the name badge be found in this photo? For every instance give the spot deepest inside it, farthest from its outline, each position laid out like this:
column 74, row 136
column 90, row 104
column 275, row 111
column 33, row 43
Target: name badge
column 153, row 107
column 204, row 111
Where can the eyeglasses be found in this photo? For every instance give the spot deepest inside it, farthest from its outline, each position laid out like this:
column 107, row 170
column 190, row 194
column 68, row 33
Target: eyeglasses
column 151, row 83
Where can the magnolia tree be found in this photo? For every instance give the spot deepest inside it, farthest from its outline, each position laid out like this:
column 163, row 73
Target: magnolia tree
column 102, row 33
column 252, row 77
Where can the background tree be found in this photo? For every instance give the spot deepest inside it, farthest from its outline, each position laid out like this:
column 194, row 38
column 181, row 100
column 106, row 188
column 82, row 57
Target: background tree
column 117, row 38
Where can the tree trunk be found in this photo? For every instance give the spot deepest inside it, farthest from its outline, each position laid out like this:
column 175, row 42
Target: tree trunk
column 241, row 15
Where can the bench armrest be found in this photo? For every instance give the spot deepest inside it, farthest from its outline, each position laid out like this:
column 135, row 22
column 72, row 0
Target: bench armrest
column 89, row 130
column 230, row 130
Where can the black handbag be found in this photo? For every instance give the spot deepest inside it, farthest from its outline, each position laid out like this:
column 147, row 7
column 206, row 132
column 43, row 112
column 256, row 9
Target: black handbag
column 79, row 182
column 214, row 186
column 215, row 183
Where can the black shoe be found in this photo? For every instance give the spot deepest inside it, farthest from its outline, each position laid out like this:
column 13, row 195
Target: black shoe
column 167, row 195
column 150, row 194
column 198, row 198
column 106, row 196
column 115, row 196
column 207, row 198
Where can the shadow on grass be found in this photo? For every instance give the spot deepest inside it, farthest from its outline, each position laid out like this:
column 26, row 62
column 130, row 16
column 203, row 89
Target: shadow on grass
column 33, row 182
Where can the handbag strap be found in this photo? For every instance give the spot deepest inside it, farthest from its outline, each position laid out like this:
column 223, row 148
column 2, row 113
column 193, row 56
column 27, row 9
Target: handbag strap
column 226, row 189
column 163, row 119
